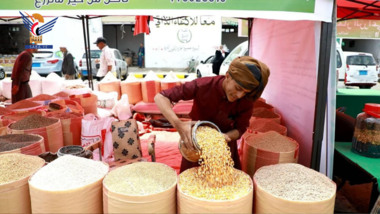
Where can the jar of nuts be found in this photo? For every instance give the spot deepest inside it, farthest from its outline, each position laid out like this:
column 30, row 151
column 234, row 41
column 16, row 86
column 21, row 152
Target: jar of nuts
column 366, row 140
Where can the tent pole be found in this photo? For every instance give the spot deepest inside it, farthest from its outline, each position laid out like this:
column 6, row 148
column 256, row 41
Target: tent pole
column 321, row 98
column 86, row 50
column 250, row 23
column 90, row 77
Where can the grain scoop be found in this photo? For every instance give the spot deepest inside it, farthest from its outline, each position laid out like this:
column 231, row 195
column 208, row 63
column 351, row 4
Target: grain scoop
column 193, row 154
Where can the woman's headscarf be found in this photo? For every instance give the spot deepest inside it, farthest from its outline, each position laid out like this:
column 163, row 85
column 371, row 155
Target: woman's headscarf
column 251, row 74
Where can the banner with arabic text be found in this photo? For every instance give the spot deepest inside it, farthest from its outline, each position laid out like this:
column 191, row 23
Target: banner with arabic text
column 276, row 9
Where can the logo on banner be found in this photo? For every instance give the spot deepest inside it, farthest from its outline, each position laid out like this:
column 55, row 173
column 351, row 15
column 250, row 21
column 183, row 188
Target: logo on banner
column 37, row 27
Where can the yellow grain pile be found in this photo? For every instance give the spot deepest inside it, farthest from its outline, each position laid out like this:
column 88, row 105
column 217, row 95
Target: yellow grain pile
column 192, row 184
column 215, row 179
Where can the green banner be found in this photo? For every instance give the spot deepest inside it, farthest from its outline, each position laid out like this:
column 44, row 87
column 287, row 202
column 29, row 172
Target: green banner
column 305, row 6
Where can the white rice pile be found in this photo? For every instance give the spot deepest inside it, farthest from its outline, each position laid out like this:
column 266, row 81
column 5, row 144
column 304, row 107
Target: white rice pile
column 68, row 172
column 294, row 182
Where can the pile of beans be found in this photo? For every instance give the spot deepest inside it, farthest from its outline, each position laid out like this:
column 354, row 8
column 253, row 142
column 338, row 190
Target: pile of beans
column 33, row 122
column 17, row 166
column 15, row 141
column 139, row 179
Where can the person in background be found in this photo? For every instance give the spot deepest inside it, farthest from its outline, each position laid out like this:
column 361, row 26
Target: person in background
column 217, row 61
column 225, row 51
column 226, row 101
column 68, row 67
column 141, row 54
column 21, row 72
column 107, row 59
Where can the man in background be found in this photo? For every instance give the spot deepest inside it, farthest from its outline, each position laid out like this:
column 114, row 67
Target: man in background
column 107, row 59
column 68, row 68
column 21, row 72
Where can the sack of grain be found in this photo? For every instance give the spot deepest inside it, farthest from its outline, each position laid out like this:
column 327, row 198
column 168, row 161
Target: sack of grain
column 28, row 144
column 43, row 99
column 75, row 87
column 141, row 187
column 69, row 184
column 16, row 116
column 95, row 129
column 263, row 125
column 7, row 88
column 14, row 190
column 267, row 148
column 132, row 87
column 170, row 81
column 67, row 106
column 193, row 197
column 35, row 83
column 261, row 103
column 292, row 188
column 49, row 128
column 126, row 141
column 215, row 186
column 71, row 126
column 4, row 126
column 4, row 111
column 110, row 83
column 150, row 86
column 106, row 99
column 24, row 106
column 87, row 101
column 52, row 84
column 265, row 113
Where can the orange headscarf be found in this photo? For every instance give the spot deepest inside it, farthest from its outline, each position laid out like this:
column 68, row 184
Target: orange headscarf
column 251, row 74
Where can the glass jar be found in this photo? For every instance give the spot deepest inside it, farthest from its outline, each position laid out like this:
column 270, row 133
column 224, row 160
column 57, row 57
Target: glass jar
column 193, row 154
column 366, row 140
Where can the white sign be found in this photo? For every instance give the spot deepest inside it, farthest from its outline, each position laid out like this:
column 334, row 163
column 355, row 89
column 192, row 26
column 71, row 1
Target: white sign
column 174, row 42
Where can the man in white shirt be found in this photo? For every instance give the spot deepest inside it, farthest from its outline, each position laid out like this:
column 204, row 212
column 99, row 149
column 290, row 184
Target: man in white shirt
column 107, row 59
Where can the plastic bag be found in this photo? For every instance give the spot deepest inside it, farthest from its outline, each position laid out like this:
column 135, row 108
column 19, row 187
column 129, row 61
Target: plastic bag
column 95, row 129
column 122, row 109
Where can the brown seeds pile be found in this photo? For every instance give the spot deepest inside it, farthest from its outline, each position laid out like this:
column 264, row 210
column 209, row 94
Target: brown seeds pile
column 15, row 141
column 33, row 122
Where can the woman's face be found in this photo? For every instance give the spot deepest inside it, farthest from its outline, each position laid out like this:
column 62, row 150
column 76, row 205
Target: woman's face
column 233, row 90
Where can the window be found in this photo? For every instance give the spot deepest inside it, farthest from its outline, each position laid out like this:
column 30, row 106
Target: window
column 360, row 60
column 338, row 60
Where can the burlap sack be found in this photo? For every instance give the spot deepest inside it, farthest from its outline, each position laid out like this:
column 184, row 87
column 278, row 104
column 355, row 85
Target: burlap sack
column 87, row 101
column 125, row 139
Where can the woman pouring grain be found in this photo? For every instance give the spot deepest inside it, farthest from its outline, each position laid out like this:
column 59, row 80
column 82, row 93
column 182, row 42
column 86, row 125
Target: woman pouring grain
column 226, row 101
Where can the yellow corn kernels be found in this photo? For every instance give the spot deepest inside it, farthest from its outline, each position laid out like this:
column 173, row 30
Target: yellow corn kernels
column 215, row 179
